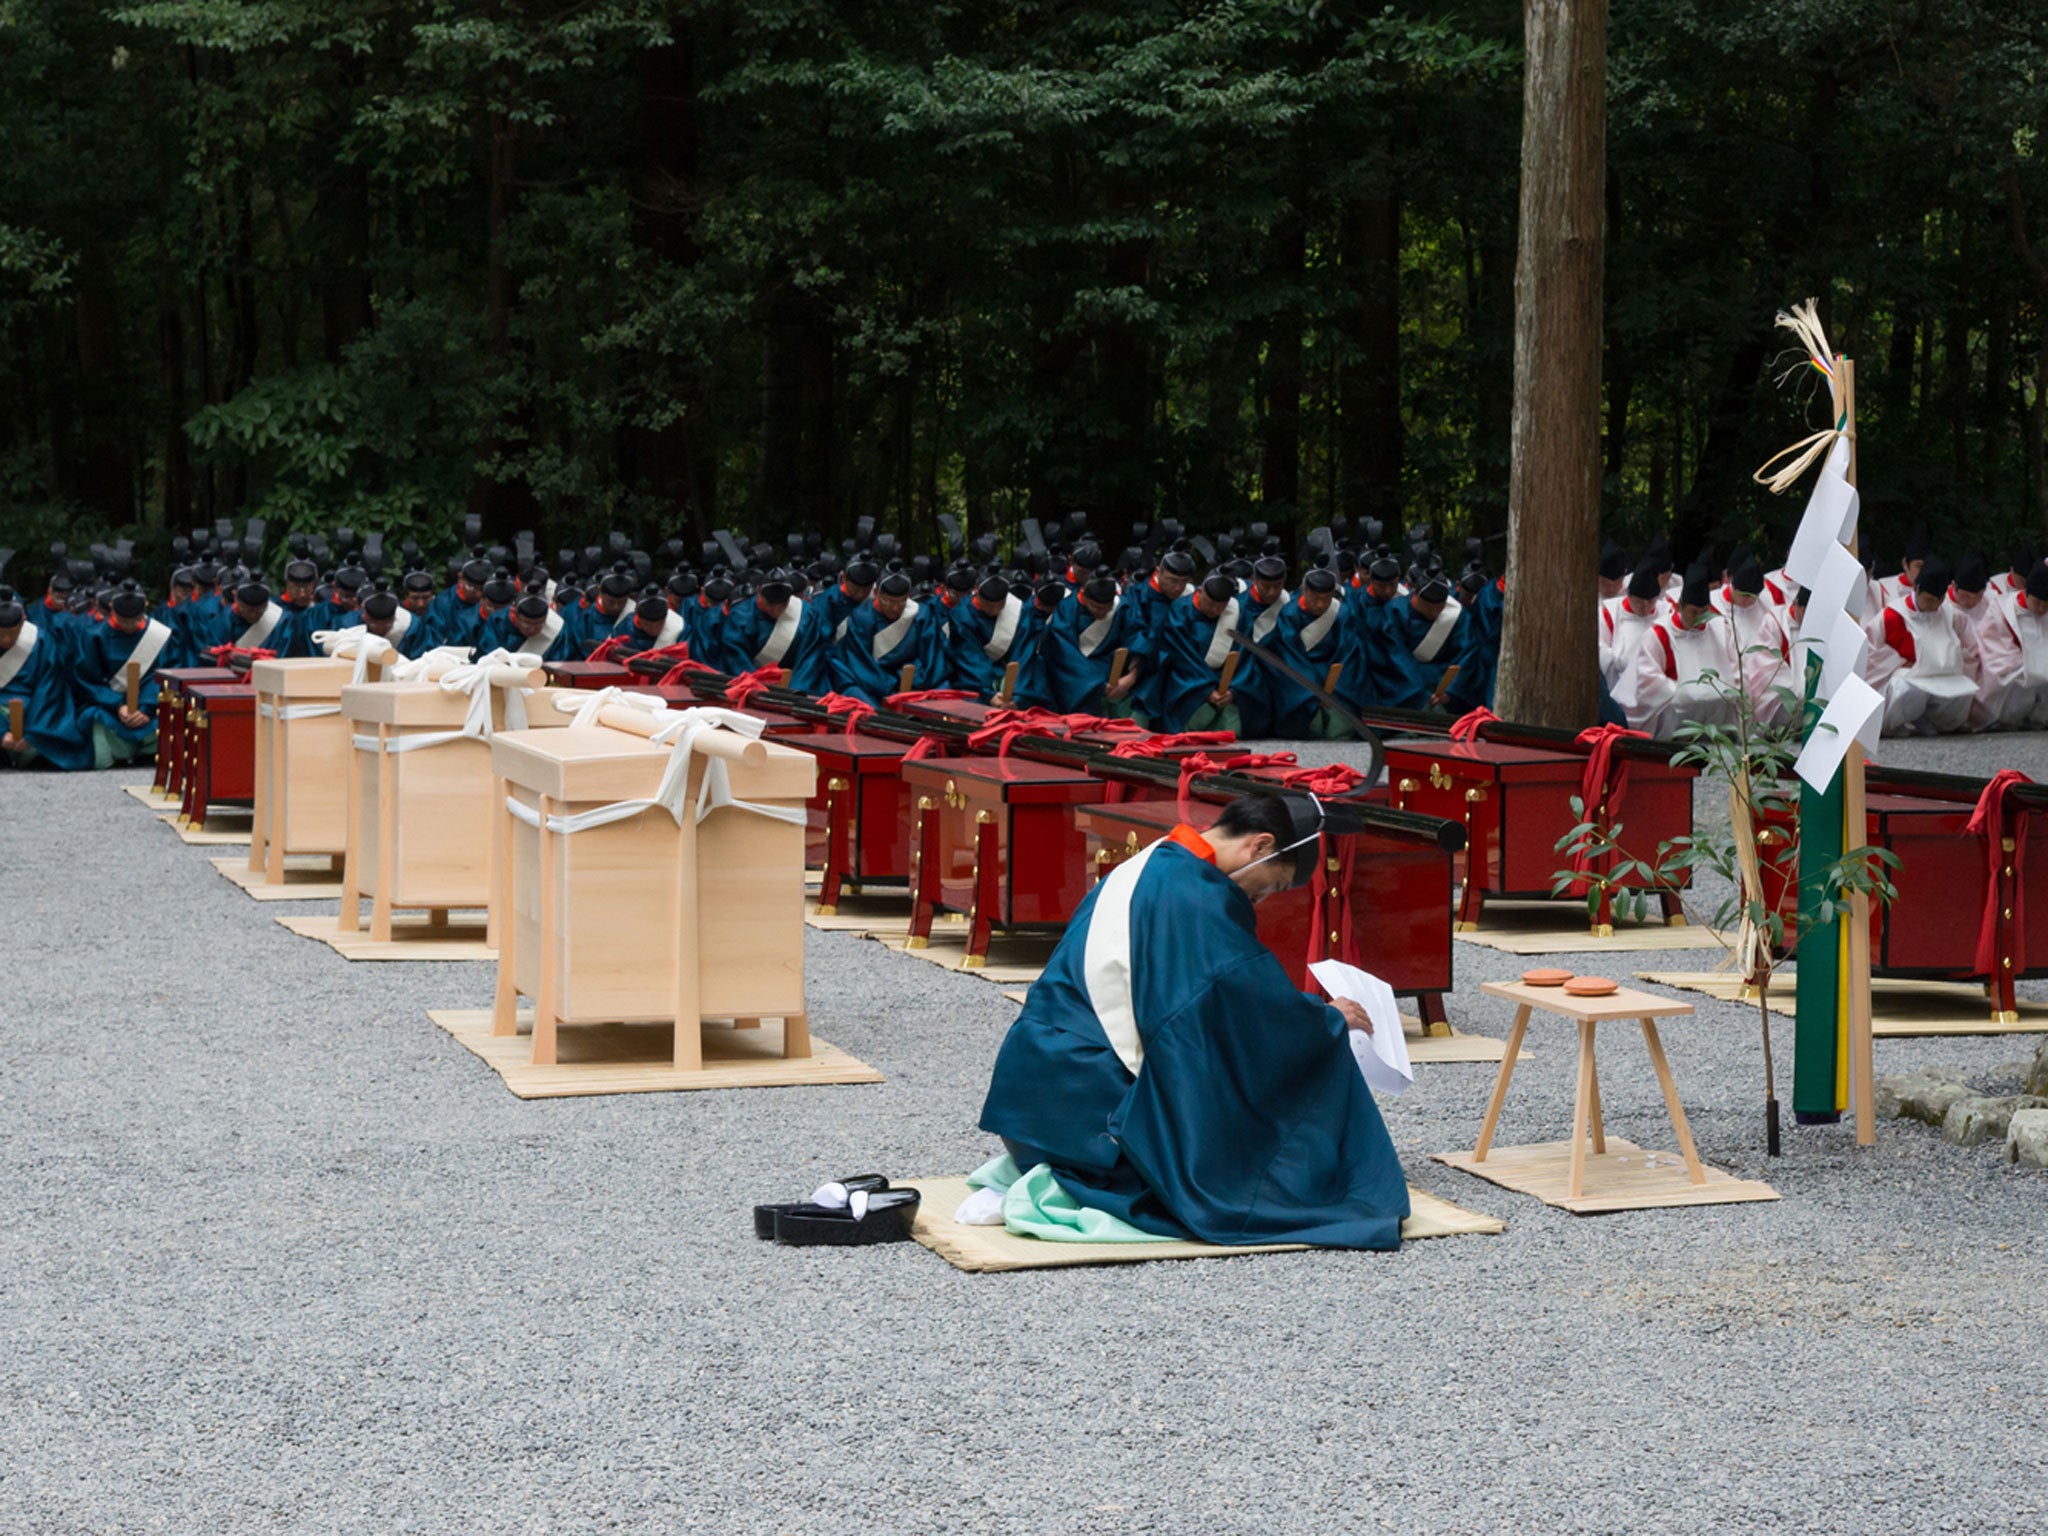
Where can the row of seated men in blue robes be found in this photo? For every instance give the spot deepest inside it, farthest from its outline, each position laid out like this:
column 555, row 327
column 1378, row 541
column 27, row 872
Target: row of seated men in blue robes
column 1161, row 647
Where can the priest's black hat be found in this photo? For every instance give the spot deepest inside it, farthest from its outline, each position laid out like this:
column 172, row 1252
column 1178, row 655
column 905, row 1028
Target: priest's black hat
column 128, row 601
column 301, row 570
column 1219, row 588
column 1933, row 577
column 351, row 578
column 777, row 588
column 1178, row 562
column 418, row 581
column 617, row 584
column 12, row 612
column 252, row 594
column 2037, row 581
column 1973, row 573
column 1385, row 568
column 1644, row 585
column 1099, row 589
column 894, row 584
column 1613, row 562
column 1433, row 588
column 861, row 572
column 530, row 606
column 1918, row 545
column 651, row 610
column 1698, row 591
column 1270, row 568
column 380, row 606
column 992, row 589
column 1086, row 557
column 960, row 578
column 1745, row 575
column 1316, row 579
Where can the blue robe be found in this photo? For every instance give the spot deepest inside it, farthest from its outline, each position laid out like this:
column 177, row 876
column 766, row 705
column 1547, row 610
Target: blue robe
column 459, row 623
column 49, row 713
column 1248, row 1120
column 208, row 622
column 102, row 689
column 706, row 629
column 497, row 633
column 746, row 629
column 294, row 633
column 968, row 631
column 853, row 668
column 1149, row 608
column 1293, row 708
column 1394, row 676
column 1476, row 682
column 1184, row 679
column 1074, row 681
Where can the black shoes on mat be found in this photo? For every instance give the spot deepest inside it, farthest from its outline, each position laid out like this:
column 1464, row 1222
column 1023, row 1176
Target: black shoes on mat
column 847, row 1213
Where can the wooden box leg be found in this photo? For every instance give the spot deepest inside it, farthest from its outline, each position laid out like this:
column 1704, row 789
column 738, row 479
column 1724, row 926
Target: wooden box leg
column 924, row 875
column 546, row 988
column 1472, row 899
column 1581, row 1108
column 796, row 1035
column 1693, row 1170
column 986, row 884
column 387, row 837
column 838, row 811
column 259, row 822
column 1436, row 1022
column 505, row 1003
column 352, row 859
column 1500, row 1084
column 689, row 1038
column 497, row 854
column 273, row 857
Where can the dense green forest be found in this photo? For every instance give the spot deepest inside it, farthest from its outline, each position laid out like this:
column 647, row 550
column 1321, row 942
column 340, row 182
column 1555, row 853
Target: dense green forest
column 783, row 263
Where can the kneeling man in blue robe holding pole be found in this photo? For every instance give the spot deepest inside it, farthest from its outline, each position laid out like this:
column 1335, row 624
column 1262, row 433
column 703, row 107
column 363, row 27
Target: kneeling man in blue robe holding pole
column 1165, row 1074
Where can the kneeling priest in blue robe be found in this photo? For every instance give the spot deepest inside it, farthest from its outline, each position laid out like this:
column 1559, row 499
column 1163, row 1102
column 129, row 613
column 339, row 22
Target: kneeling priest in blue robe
column 1166, row 1072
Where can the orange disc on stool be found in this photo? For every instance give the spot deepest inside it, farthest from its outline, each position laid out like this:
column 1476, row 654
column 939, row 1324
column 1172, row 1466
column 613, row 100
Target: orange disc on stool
column 1590, row 986
column 1546, row 977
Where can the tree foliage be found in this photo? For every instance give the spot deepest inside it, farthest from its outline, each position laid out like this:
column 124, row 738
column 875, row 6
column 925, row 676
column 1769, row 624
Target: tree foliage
column 667, row 266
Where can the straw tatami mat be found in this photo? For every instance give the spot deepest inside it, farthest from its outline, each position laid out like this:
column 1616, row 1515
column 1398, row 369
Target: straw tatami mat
column 639, row 1058
column 1620, row 1179
column 413, row 937
column 990, row 1249
column 1898, row 1009
column 306, row 878
column 156, row 799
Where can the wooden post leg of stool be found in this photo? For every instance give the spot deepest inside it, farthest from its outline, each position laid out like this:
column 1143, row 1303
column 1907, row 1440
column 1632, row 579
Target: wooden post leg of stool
column 497, row 854
column 1500, row 1084
column 273, row 848
column 437, row 917
column 352, row 860
column 796, row 1035
column 1693, row 1170
column 1594, row 1121
column 688, row 1055
column 1581, row 1102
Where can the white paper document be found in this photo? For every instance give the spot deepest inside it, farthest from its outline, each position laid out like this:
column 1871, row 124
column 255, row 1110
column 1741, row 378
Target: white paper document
column 1829, row 521
column 1382, row 1056
column 1855, row 713
column 1848, row 643
column 1839, row 589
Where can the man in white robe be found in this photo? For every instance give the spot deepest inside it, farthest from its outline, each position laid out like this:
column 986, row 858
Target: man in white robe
column 1924, row 659
column 2012, row 655
column 1686, row 668
column 1761, row 639
column 1624, row 624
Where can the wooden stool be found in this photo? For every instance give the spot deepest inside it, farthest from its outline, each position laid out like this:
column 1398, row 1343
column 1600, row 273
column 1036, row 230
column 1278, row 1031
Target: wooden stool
column 1626, row 1003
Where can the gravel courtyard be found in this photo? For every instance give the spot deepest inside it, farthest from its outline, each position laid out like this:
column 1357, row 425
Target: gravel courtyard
column 279, row 1255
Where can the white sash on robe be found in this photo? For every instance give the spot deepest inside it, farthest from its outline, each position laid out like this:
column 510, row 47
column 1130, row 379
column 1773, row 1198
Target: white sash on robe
column 1313, row 631
column 401, row 621
column 1220, row 642
column 1427, row 647
column 1937, row 668
column 671, row 630
column 1106, row 960
column 779, row 638
column 997, row 646
column 1094, row 634
column 17, row 654
column 891, row 634
column 148, row 648
column 254, row 636
column 537, row 645
column 1269, row 616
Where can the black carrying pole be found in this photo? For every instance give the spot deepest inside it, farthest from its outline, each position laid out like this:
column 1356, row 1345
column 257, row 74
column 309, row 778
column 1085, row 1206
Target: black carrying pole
column 1342, row 815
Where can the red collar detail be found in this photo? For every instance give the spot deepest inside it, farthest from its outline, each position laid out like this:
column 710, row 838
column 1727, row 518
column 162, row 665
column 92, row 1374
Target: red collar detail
column 1193, row 841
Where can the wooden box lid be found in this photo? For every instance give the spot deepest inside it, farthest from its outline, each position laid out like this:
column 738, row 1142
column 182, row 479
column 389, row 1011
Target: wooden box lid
column 1017, row 780
column 303, row 677
column 224, row 698
column 592, row 763
column 429, row 704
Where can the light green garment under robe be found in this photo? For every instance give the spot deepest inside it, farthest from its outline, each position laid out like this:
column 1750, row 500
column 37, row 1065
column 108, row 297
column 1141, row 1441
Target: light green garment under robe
column 1034, row 1205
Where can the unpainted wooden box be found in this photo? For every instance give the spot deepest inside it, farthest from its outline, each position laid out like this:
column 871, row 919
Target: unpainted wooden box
column 435, row 851
column 613, row 945
column 302, row 753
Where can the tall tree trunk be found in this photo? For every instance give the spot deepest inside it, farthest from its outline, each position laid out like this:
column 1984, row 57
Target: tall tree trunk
column 1369, row 383
column 1549, row 667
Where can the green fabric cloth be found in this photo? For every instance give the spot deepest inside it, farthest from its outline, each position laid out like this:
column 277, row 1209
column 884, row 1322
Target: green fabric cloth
column 108, row 749
column 1034, row 1205
column 1209, row 718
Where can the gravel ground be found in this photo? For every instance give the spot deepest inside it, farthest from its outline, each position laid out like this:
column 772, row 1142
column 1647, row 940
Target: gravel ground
column 280, row 1255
